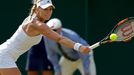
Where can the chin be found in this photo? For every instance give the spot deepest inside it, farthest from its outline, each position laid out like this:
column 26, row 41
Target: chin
column 47, row 18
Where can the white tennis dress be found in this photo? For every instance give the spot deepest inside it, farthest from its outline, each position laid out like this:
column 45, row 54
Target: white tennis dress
column 18, row 44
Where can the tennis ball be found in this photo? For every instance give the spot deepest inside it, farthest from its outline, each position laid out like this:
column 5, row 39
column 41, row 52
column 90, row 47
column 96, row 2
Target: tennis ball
column 113, row 37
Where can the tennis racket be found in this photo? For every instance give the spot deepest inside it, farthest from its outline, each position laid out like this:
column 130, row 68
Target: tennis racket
column 124, row 30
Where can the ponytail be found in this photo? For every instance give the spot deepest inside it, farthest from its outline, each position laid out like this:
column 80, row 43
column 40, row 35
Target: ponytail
column 34, row 6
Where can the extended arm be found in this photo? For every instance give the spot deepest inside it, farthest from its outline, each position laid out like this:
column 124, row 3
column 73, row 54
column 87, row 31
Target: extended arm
column 48, row 32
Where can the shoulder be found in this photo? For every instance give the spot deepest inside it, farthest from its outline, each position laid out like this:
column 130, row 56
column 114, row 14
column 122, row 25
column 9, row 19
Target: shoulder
column 26, row 20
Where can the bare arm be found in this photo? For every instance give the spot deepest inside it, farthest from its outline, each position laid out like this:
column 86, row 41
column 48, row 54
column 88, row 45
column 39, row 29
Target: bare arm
column 48, row 32
column 58, row 38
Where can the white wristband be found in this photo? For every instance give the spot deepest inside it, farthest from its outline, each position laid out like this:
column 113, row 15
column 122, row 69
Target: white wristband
column 77, row 46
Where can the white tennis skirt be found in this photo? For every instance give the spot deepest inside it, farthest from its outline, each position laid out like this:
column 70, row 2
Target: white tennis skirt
column 6, row 61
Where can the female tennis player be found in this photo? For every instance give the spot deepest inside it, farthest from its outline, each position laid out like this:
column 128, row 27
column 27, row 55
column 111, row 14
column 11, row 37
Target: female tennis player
column 28, row 34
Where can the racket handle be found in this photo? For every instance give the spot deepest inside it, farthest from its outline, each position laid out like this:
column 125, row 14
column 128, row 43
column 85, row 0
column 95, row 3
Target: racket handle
column 94, row 45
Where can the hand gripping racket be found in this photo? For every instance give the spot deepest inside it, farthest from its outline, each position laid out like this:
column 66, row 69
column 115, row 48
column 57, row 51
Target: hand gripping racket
column 124, row 30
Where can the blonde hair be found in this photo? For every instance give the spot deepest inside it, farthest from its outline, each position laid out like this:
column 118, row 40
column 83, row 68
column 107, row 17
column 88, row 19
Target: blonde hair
column 34, row 6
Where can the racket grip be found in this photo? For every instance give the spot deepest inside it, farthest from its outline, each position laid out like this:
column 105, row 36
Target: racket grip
column 94, row 45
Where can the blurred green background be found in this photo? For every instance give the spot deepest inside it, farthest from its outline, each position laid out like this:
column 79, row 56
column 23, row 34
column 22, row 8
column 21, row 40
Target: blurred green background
column 92, row 19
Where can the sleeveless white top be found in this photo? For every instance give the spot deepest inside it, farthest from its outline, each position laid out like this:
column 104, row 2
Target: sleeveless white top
column 19, row 43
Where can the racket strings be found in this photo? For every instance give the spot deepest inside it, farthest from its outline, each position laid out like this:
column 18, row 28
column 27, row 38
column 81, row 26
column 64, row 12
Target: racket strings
column 128, row 38
column 125, row 29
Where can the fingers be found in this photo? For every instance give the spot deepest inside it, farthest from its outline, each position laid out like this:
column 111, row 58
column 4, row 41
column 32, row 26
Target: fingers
column 85, row 49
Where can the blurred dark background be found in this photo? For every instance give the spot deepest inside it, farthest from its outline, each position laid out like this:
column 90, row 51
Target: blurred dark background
column 92, row 19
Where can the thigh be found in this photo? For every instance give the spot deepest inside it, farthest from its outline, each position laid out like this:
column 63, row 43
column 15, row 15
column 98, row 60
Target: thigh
column 32, row 72
column 47, row 72
column 10, row 71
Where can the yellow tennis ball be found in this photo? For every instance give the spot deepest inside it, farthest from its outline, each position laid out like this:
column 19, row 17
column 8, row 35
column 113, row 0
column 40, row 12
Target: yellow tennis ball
column 113, row 37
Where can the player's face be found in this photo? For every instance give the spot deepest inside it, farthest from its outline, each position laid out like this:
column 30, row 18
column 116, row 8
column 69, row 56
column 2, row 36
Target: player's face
column 45, row 14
